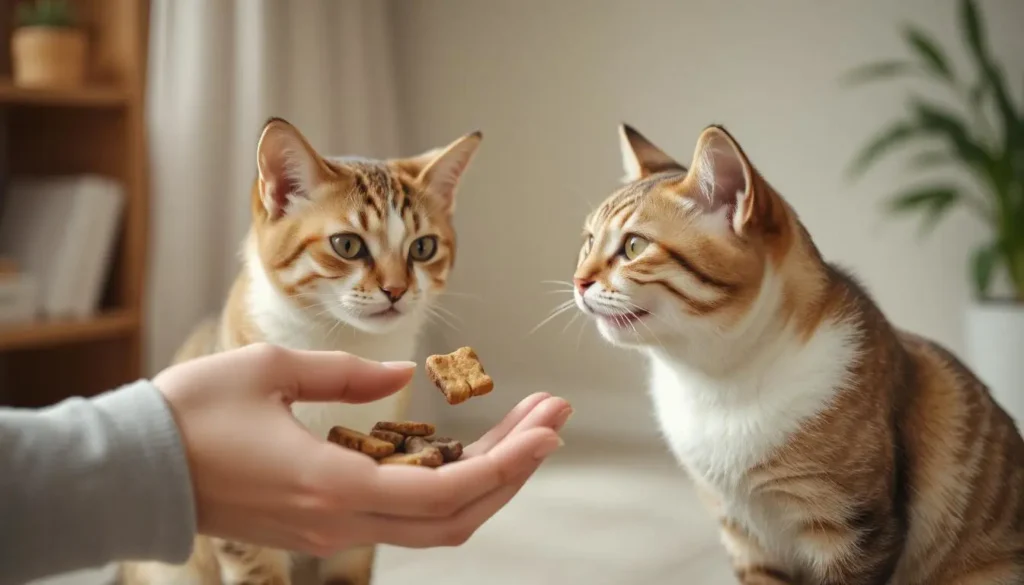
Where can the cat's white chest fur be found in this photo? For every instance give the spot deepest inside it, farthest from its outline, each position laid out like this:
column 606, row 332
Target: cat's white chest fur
column 721, row 427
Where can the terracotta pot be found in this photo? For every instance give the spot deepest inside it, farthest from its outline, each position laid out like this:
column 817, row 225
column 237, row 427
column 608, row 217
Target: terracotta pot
column 48, row 57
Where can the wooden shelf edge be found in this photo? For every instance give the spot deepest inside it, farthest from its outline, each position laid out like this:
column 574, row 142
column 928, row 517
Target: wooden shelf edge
column 64, row 331
column 88, row 96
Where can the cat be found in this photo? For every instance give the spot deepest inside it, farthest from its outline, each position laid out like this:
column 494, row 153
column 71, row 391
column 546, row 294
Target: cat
column 833, row 447
column 343, row 254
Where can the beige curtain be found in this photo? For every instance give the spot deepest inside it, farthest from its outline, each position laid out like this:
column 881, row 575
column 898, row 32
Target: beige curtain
column 218, row 69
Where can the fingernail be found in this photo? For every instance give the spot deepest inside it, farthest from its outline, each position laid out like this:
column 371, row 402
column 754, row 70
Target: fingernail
column 564, row 417
column 548, row 448
column 399, row 365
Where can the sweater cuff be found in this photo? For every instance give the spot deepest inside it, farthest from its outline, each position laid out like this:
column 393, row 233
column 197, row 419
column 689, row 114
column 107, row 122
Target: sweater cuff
column 155, row 486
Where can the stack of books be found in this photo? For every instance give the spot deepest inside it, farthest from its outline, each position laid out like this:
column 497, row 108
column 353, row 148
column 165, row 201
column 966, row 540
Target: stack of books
column 58, row 235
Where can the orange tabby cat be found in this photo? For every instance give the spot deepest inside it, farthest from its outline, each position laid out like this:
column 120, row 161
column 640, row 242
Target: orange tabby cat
column 344, row 254
column 833, row 447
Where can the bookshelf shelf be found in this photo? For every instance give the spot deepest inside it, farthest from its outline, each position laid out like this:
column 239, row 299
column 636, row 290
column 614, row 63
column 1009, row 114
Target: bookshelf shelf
column 38, row 334
column 87, row 97
column 98, row 129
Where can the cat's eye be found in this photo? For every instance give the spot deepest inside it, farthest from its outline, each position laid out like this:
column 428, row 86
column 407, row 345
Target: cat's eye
column 348, row 246
column 423, row 248
column 634, row 246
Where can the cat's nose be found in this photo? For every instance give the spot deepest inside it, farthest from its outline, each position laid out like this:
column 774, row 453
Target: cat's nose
column 393, row 292
column 582, row 284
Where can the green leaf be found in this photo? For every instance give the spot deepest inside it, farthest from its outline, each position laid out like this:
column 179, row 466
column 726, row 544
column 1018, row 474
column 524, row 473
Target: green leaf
column 923, row 197
column 983, row 263
column 992, row 76
column 883, row 142
column 933, row 202
column 944, row 124
column 933, row 57
column 978, row 92
column 930, row 159
column 971, row 23
column 877, row 72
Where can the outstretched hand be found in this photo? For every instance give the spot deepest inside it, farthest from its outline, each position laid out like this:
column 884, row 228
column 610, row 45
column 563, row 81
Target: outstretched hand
column 260, row 477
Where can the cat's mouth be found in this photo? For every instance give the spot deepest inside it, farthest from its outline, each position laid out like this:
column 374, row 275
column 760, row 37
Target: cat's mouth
column 389, row 313
column 623, row 320
column 618, row 320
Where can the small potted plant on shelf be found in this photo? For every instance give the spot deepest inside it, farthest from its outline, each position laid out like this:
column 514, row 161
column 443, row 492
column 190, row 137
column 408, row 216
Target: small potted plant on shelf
column 48, row 48
column 984, row 136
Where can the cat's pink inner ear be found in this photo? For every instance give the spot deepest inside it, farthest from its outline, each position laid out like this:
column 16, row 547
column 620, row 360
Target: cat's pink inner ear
column 722, row 175
column 289, row 168
column 440, row 176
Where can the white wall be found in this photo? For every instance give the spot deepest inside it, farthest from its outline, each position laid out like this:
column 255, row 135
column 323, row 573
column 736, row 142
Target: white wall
column 547, row 82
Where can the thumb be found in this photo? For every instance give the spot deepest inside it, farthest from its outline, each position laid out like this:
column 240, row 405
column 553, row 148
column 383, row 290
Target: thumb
column 334, row 376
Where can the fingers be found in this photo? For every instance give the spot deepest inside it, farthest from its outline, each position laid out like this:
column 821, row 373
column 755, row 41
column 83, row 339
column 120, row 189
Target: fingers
column 451, row 531
column 323, row 376
column 401, row 490
column 513, row 418
column 549, row 412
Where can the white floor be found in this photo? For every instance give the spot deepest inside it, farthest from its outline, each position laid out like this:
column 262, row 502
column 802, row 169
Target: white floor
column 592, row 515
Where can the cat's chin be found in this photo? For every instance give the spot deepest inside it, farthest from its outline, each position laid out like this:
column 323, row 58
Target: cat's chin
column 378, row 323
column 620, row 336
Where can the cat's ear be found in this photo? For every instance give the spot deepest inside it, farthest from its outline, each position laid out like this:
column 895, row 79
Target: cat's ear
column 289, row 168
column 726, row 179
column 641, row 158
column 438, row 171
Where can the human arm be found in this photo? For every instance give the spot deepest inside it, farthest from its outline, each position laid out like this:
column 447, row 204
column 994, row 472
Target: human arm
column 90, row 480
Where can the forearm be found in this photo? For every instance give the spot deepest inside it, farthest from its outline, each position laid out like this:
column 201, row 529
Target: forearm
column 86, row 482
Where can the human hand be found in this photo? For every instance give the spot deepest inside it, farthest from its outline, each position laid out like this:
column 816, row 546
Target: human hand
column 260, row 477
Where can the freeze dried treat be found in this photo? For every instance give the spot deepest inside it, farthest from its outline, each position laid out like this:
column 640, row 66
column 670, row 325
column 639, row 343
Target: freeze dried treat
column 407, row 428
column 415, row 445
column 450, row 449
column 459, row 375
column 392, row 437
column 400, row 443
column 428, row 457
column 357, row 441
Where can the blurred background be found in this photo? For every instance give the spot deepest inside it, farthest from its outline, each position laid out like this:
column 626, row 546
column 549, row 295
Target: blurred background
column 159, row 128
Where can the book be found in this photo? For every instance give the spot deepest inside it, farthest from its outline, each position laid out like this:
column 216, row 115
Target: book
column 62, row 231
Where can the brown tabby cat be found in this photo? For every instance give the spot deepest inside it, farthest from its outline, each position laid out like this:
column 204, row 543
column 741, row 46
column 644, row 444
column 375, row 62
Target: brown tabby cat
column 833, row 447
column 344, row 254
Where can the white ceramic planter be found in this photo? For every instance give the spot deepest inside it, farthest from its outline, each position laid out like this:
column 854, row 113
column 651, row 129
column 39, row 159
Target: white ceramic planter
column 995, row 351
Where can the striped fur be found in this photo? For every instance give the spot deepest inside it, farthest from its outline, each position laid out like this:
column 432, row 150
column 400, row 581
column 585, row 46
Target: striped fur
column 833, row 447
column 299, row 290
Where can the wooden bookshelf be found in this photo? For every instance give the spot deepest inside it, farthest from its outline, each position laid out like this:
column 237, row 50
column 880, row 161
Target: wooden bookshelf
column 100, row 129
column 88, row 97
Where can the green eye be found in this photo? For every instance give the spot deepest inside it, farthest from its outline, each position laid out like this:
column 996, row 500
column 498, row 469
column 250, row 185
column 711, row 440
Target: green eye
column 589, row 245
column 348, row 246
column 635, row 245
column 423, row 249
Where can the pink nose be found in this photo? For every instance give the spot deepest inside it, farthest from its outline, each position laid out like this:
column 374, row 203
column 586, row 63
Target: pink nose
column 582, row 284
column 393, row 293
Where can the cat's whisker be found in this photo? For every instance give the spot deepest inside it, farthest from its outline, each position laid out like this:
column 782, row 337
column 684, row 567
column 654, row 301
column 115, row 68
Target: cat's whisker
column 447, row 312
column 561, row 308
column 571, row 321
column 431, row 312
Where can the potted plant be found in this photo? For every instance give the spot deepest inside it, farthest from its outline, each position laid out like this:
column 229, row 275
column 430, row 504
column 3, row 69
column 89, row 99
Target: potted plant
column 983, row 136
column 48, row 49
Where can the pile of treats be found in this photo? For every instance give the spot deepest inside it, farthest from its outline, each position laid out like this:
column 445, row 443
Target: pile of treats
column 407, row 443
column 460, row 376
